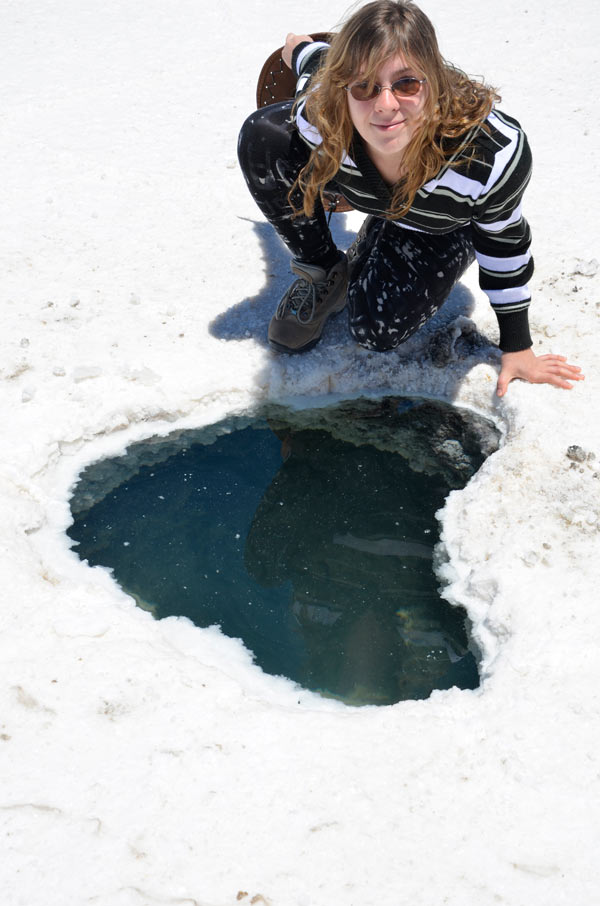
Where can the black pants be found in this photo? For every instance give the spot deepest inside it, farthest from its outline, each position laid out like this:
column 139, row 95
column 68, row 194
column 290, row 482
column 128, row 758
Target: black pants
column 399, row 278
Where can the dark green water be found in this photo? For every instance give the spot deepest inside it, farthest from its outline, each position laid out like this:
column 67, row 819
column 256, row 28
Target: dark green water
column 307, row 535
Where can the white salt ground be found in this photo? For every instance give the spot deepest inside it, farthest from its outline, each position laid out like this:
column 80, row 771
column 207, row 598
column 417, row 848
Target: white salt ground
column 147, row 762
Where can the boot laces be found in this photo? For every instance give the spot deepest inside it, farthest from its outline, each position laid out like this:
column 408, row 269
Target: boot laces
column 303, row 298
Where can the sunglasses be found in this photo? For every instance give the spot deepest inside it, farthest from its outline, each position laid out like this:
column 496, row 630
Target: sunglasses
column 406, row 87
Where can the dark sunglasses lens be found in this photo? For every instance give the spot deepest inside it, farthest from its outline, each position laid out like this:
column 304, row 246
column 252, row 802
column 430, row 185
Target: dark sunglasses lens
column 361, row 91
column 406, row 87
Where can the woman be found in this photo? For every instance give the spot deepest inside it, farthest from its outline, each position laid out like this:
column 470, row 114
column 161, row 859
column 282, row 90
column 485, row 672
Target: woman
column 382, row 119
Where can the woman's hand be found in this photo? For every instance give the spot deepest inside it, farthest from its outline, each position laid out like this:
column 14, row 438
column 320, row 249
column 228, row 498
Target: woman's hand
column 543, row 369
column 291, row 43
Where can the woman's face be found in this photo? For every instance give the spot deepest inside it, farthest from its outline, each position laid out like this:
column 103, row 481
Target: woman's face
column 387, row 123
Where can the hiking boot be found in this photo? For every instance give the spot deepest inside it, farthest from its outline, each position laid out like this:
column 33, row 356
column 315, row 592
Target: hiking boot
column 298, row 323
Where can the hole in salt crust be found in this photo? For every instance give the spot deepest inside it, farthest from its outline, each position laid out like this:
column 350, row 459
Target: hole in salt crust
column 308, row 534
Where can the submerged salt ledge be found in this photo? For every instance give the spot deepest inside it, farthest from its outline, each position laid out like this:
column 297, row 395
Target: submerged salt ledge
column 150, row 763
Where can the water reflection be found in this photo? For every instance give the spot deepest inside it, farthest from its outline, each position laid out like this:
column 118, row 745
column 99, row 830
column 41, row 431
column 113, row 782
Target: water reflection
column 309, row 536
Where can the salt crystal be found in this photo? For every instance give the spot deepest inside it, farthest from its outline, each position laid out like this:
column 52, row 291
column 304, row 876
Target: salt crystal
column 84, row 372
column 144, row 376
column 585, row 268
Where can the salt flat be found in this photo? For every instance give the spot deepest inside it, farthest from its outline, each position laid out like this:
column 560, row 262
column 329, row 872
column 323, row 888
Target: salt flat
column 146, row 762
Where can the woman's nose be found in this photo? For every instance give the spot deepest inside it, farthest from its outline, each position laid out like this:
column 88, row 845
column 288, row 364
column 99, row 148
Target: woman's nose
column 386, row 100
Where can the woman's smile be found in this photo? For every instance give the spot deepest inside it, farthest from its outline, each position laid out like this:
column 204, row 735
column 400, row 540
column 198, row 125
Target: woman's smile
column 388, row 127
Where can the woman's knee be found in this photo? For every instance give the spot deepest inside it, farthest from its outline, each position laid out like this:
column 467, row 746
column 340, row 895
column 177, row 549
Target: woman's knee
column 401, row 281
column 251, row 142
column 265, row 136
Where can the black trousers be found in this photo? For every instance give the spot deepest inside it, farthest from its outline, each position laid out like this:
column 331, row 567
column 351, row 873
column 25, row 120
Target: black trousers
column 398, row 279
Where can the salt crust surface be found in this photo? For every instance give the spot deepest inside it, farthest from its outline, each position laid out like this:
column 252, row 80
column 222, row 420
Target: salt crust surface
column 147, row 762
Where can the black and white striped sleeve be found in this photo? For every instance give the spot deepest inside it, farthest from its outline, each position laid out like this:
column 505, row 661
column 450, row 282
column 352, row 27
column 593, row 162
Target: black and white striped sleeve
column 306, row 58
column 501, row 235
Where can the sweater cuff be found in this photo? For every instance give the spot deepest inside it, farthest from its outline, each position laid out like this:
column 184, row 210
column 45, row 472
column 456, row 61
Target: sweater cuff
column 514, row 331
column 296, row 52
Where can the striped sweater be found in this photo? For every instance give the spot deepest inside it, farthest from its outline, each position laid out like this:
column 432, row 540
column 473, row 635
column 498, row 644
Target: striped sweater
column 483, row 188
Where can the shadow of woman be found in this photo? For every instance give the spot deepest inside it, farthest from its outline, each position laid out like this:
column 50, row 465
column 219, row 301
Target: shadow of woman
column 450, row 337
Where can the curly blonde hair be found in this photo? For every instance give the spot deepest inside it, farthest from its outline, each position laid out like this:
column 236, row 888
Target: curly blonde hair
column 454, row 103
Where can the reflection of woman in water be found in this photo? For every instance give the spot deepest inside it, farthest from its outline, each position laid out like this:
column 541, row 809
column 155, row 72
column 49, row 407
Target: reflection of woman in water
column 364, row 594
